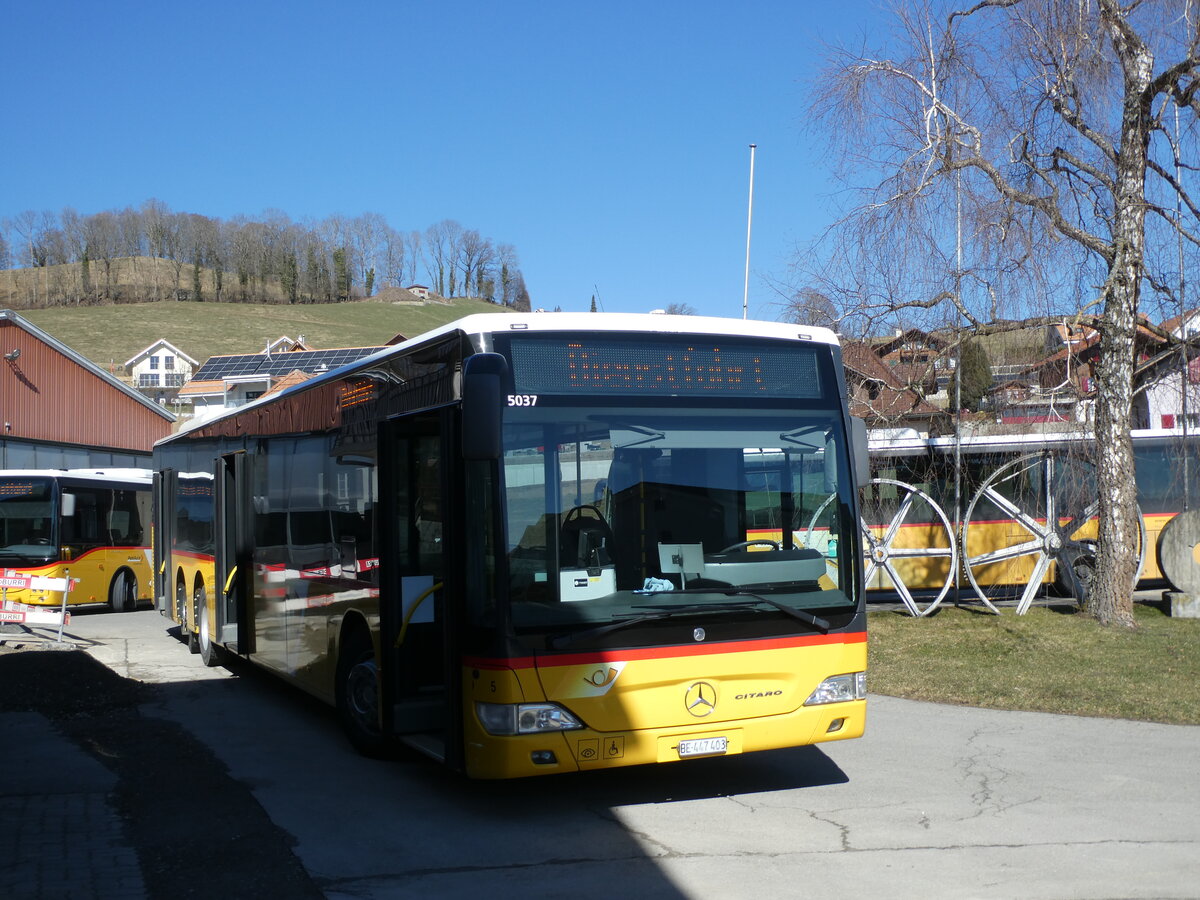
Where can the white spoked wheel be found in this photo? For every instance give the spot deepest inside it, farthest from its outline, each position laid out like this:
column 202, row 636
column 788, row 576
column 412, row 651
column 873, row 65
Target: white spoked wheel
column 889, row 560
column 1036, row 511
column 923, row 556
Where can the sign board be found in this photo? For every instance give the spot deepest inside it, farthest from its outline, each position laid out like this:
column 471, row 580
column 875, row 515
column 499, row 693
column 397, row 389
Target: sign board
column 21, row 581
column 33, row 615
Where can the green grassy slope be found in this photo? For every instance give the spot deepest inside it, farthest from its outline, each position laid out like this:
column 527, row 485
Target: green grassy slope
column 110, row 335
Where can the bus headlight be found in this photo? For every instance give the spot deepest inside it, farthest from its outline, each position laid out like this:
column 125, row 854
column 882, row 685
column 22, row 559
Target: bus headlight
column 524, row 718
column 839, row 689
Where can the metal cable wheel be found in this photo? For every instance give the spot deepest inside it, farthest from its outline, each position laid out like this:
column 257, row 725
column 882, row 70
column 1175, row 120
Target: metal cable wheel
column 1046, row 502
column 888, row 559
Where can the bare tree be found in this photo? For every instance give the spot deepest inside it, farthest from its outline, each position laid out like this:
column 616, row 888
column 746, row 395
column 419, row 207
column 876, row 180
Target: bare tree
column 441, row 250
column 811, row 307
column 25, row 226
column 1046, row 129
column 102, row 238
column 413, row 248
column 392, row 257
column 474, row 254
column 367, row 241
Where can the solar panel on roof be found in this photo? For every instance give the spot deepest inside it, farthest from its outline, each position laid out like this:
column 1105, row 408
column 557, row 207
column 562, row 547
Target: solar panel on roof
column 308, row 361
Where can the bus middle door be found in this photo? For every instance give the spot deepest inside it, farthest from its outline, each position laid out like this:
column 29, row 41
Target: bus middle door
column 234, row 625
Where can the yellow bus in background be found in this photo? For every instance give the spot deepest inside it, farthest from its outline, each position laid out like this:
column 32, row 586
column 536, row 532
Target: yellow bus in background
column 91, row 523
column 527, row 544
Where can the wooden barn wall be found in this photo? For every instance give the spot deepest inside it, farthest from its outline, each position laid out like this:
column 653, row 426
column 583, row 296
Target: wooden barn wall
column 47, row 396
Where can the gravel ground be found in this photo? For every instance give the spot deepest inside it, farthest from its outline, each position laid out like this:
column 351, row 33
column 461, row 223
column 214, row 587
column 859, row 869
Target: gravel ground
column 197, row 831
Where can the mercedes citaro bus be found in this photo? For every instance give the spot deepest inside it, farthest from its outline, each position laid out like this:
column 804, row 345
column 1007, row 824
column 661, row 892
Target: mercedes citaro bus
column 89, row 525
column 539, row 543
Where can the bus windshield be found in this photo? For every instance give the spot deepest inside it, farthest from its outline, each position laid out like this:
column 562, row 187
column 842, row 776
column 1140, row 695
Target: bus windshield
column 27, row 521
column 616, row 515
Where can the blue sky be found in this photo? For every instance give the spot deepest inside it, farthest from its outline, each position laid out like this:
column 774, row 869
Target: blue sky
column 609, row 142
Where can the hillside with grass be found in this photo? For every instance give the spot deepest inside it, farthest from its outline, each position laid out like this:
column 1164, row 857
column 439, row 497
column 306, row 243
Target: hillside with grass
column 111, row 334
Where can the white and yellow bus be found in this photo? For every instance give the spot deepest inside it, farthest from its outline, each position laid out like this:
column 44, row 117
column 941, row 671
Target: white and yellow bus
column 528, row 544
column 91, row 523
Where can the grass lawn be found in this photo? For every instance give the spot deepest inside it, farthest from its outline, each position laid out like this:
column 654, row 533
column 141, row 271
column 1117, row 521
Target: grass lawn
column 109, row 335
column 1048, row 660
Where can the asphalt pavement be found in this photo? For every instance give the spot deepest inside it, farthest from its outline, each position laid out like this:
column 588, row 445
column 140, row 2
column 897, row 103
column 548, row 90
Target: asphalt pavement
column 936, row 801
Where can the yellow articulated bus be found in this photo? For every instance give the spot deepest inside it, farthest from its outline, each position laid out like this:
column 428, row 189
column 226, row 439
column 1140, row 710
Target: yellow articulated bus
column 528, row 544
column 91, row 523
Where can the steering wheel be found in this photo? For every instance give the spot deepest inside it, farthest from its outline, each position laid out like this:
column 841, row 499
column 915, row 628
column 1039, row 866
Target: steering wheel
column 774, row 545
column 576, row 512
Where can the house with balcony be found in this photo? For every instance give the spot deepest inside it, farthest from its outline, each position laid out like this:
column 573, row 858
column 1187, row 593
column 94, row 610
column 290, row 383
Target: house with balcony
column 1061, row 387
column 886, row 403
column 160, row 370
column 921, row 360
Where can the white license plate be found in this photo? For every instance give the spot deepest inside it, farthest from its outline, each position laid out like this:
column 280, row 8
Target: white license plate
column 713, row 746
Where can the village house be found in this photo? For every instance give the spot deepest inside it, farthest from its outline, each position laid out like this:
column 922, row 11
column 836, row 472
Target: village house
column 923, row 361
column 160, row 370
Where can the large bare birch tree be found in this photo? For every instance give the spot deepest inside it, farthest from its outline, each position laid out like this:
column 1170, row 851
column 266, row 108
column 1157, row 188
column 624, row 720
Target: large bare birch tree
column 1057, row 134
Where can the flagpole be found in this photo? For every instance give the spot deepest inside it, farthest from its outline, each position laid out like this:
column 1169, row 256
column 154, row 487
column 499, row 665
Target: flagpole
column 749, row 219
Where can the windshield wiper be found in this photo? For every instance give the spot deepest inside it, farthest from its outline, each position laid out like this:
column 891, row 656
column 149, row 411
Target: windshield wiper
column 808, row 618
column 567, row 640
column 650, row 434
column 666, row 610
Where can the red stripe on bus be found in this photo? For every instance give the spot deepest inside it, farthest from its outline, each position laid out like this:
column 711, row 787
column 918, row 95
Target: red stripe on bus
column 80, row 558
column 602, row 656
column 200, row 557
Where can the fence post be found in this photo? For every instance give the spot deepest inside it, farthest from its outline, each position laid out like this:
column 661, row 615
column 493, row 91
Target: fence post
column 63, row 610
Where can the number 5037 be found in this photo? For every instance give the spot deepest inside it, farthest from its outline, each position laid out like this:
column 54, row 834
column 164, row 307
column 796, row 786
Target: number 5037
column 522, row 399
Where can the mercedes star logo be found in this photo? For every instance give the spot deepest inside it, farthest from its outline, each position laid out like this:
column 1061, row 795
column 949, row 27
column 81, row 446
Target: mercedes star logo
column 700, row 699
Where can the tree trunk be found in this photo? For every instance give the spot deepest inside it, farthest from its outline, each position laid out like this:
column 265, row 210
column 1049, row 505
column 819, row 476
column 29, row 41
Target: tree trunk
column 1111, row 598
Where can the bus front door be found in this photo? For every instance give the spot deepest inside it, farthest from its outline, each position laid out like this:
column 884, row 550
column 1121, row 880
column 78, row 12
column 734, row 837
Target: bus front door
column 417, row 527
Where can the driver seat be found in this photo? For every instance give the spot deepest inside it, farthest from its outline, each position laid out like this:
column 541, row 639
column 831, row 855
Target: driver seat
column 584, row 540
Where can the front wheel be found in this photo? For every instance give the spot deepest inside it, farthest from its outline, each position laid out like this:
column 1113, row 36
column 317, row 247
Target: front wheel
column 210, row 653
column 122, row 593
column 358, row 695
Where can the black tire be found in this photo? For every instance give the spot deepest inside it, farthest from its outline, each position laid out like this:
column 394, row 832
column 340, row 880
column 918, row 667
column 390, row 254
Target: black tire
column 357, row 692
column 210, row 653
column 122, row 593
column 1075, row 572
column 181, row 605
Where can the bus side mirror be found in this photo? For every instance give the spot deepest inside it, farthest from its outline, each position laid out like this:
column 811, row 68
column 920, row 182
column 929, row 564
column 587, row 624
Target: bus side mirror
column 860, row 452
column 484, row 375
column 68, row 505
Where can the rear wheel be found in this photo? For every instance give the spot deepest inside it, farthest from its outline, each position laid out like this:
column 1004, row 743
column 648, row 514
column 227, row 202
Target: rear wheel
column 181, row 605
column 358, row 694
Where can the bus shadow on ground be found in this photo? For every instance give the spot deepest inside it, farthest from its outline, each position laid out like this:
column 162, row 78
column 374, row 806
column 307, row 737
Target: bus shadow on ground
column 272, row 824
column 699, row 779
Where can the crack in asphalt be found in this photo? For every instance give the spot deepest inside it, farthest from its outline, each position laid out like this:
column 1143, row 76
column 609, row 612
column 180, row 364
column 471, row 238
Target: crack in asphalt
column 844, row 830
column 981, row 768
